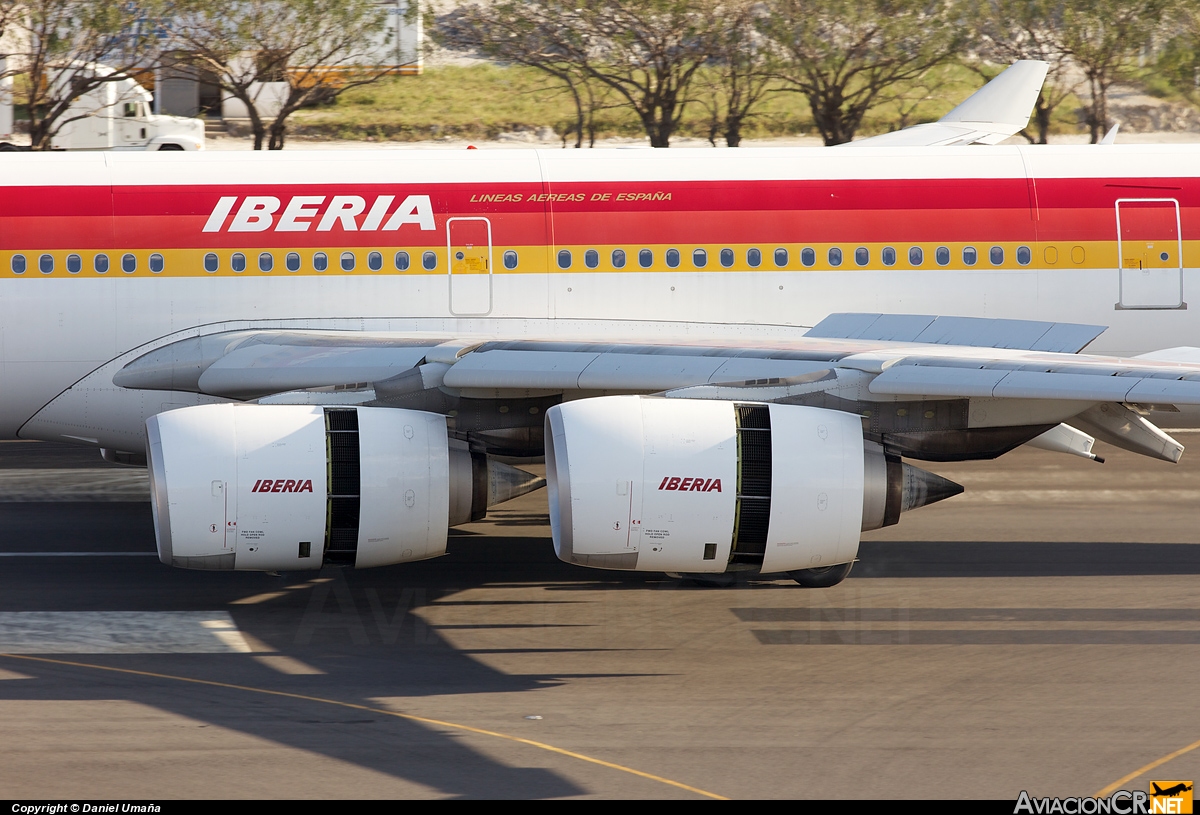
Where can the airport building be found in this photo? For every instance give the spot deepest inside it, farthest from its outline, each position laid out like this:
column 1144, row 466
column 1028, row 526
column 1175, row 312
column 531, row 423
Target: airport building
column 188, row 91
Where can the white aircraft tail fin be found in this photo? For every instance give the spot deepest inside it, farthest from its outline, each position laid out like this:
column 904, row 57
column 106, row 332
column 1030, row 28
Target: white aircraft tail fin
column 996, row 111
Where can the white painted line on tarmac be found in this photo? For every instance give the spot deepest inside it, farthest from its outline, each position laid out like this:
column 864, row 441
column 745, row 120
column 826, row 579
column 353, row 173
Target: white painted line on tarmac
column 121, row 632
column 19, row 486
column 78, row 554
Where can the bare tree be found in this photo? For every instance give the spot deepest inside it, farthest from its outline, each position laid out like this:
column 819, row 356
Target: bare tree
column 1012, row 30
column 737, row 78
column 518, row 33
column 60, row 50
column 1103, row 38
column 646, row 51
column 845, row 55
column 1178, row 60
column 275, row 56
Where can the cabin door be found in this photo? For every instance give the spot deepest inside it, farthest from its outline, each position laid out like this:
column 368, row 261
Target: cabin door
column 469, row 246
column 1150, row 253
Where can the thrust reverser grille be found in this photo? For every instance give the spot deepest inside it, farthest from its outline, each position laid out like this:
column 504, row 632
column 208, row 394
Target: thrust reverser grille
column 342, row 455
column 753, row 513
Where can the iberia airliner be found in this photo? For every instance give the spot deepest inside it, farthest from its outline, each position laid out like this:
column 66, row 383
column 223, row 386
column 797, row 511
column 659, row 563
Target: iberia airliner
column 724, row 357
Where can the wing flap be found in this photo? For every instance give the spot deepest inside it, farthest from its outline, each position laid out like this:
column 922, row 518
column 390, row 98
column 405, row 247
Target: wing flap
column 977, row 332
column 1118, row 383
column 257, row 370
column 503, row 368
column 616, row 368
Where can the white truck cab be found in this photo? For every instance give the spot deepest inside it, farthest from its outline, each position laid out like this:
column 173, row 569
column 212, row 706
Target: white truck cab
column 116, row 116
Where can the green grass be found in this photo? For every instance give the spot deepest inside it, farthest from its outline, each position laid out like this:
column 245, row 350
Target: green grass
column 483, row 101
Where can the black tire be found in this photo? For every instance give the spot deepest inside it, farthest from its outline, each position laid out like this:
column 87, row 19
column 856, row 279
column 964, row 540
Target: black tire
column 169, row 146
column 823, row 577
column 7, row 147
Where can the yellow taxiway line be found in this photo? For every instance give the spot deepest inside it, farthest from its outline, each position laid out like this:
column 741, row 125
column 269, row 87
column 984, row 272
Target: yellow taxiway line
column 1120, row 782
column 410, row 717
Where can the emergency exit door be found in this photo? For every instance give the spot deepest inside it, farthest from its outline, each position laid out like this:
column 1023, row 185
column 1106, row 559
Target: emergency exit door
column 1150, row 253
column 469, row 245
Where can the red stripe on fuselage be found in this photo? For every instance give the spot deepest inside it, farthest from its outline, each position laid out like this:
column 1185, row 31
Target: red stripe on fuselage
column 697, row 212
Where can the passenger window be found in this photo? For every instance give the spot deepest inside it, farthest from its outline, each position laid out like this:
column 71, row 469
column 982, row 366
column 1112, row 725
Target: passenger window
column 18, row 264
column 862, row 256
column 402, row 261
column 942, row 255
column 753, row 258
column 781, row 257
column 429, row 261
column 726, row 258
column 129, row 264
column 699, row 258
column 99, row 263
column 156, row 263
column 591, row 258
column 564, row 258
column 74, row 264
column 211, row 263
column 266, row 262
column 808, row 256
column 835, row 256
column 348, row 261
column 320, row 261
column 916, row 256
column 292, row 262
column 510, row 260
column 970, row 256
column 888, row 256
column 645, row 258
column 1024, row 255
column 618, row 258
column 996, row 255
column 375, row 261
column 238, row 262
column 46, row 264
column 673, row 258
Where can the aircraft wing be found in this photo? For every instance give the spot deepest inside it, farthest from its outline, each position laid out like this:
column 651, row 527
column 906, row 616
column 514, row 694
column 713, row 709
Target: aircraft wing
column 999, row 109
column 928, row 386
column 912, row 356
column 821, row 423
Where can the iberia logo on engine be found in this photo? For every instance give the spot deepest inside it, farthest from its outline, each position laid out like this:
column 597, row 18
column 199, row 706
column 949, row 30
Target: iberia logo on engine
column 283, row 485
column 693, row 484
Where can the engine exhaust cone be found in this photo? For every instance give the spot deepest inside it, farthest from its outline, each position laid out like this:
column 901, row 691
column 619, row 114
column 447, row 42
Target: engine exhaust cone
column 921, row 487
column 506, row 482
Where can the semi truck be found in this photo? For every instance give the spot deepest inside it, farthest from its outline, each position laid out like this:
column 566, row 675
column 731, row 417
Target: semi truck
column 114, row 115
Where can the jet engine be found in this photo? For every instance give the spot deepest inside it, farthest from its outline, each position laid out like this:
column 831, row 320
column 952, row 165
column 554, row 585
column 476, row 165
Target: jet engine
column 265, row 487
column 705, row 486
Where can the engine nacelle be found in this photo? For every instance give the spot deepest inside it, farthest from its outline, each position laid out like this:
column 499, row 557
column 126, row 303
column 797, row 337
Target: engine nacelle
column 289, row 487
column 681, row 485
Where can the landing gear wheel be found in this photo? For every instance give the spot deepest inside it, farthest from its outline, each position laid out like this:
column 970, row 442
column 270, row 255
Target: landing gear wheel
column 822, row 577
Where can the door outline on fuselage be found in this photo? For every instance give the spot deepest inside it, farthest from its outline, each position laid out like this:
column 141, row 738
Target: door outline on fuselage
column 467, row 296
column 1127, row 292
